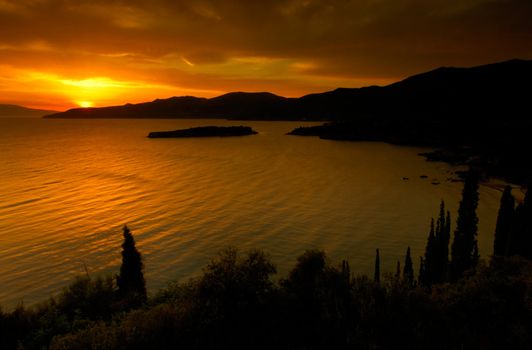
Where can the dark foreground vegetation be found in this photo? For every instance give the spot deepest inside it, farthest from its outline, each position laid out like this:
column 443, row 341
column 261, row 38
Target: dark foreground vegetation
column 205, row 131
column 457, row 301
column 237, row 304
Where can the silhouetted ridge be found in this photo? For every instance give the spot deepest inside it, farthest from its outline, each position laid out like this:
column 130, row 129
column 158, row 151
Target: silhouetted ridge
column 497, row 92
column 246, row 105
column 485, row 109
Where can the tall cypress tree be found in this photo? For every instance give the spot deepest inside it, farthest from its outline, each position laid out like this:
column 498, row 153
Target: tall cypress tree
column 436, row 259
column 131, row 283
column 464, row 250
column 398, row 271
column 440, row 225
column 421, row 275
column 527, row 225
column 520, row 240
column 447, row 237
column 408, row 271
column 515, row 240
column 430, row 257
column 377, row 275
column 443, row 235
column 504, row 224
column 346, row 271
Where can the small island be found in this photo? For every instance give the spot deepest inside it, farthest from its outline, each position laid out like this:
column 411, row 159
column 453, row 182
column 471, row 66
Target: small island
column 205, row 131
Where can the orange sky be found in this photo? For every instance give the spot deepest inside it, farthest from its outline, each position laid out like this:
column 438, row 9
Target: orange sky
column 67, row 53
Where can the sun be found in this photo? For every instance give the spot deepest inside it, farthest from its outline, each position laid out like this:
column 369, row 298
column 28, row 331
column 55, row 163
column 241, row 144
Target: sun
column 85, row 104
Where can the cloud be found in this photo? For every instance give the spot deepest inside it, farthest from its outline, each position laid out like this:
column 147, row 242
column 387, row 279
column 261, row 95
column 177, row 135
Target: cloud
column 221, row 45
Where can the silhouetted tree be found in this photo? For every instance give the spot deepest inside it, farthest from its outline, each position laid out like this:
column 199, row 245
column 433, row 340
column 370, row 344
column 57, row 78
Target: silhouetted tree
column 398, row 270
column 520, row 240
column 441, row 249
column 437, row 250
column 421, row 275
column 445, row 248
column 131, row 283
column 377, row 274
column 464, row 250
column 346, row 271
column 505, row 219
column 515, row 239
column 527, row 224
column 430, row 258
column 408, row 271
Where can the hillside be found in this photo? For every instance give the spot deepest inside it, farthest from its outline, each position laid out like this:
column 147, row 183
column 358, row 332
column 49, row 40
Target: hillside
column 479, row 116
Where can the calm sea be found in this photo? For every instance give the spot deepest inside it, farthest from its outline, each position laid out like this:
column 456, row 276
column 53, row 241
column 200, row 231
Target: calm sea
column 68, row 186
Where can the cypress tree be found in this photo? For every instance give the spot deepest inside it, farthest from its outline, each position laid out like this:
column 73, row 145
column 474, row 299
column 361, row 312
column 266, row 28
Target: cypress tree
column 377, row 275
column 131, row 283
column 447, row 239
column 430, row 257
column 520, row 240
column 515, row 240
column 443, row 235
column 505, row 219
column 440, row 225
column 421, row 276
column 408, row 271
column 443, row 246
column 475, row 255
column 398, row 271
column 527, row 227
column 464, row 250
column 436, row 259
column 346, row 271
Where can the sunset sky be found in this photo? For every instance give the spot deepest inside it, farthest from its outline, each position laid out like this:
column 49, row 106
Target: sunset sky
column 59, row 54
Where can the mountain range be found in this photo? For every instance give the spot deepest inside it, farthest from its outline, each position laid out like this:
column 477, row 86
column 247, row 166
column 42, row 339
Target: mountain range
column 499, row 91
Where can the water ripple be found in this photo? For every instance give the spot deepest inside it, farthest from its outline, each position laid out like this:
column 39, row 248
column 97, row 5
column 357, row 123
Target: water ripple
column 69, row 186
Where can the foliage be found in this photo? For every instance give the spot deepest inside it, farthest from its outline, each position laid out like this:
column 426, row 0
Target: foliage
column 520, row 240
column 408, row 271
column 235, row 303
column 131, row 283
column 83, row 302
column 505, row 221
column 377, row 272
column 464, row 250
column 436, row 262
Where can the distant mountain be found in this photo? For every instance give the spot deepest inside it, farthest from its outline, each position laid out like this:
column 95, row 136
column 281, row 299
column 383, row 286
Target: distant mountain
column 235, row 105
column 495, row 91
column 13, row 111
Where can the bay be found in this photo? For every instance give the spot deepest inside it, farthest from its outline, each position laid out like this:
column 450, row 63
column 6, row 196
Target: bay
column 68, row 186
